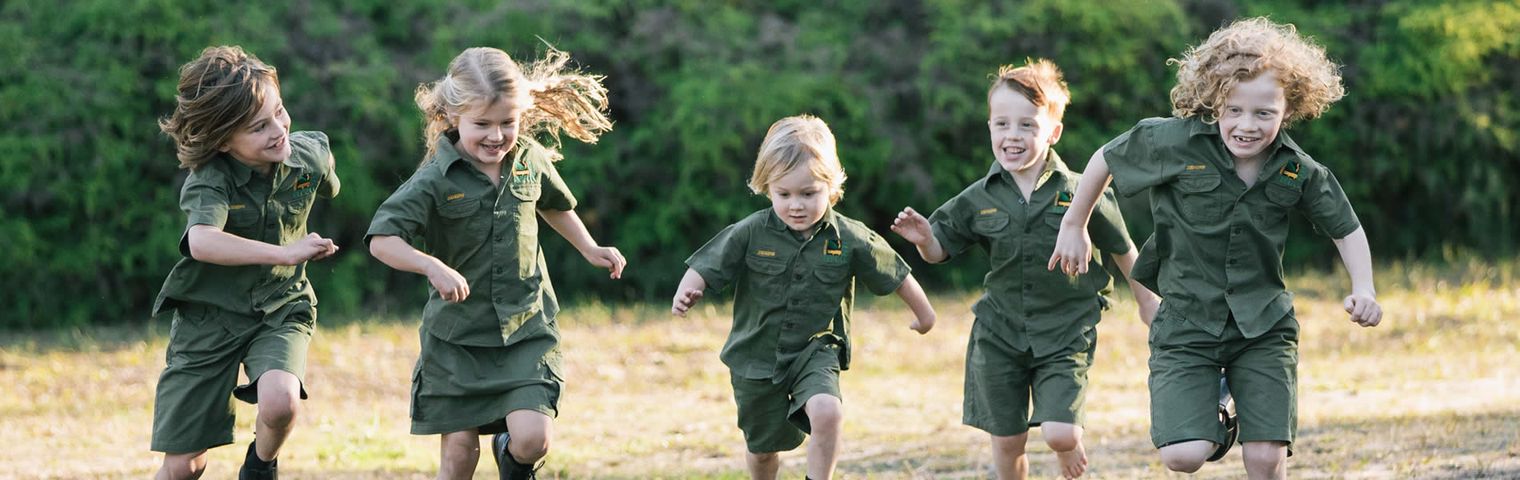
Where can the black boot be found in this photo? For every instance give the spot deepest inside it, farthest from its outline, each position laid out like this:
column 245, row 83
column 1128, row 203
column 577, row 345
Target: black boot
column 257, row 469
column 508, row 465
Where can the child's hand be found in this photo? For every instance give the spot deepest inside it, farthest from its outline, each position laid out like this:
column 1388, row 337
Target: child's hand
column 684, row 300
column 312, row 247
column 1073, row 250
column 922, row 325
column 607, row 257
column 450, row 285
column 1364, row 309
column 912, row 227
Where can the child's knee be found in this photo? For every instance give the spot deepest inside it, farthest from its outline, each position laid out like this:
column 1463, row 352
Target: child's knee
column 279, row 412
column 529, row 446
column 1264, row 456
column 184, row 466
column 825, row 412
column 1185, row 458
column 1061, row 437
column 1012, row 446
column 764, row 458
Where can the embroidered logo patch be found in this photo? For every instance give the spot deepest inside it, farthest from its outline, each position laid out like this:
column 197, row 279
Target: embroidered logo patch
column 1291, row 170
column 304, row 182
column 987, row 211
column 456, row 196
column 765, row 253
column 1197, row 167
column 1063, row 199
column 833, row 247
column 236, row 206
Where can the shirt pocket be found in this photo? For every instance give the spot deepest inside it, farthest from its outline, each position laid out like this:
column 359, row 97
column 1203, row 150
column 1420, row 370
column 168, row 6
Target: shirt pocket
column 1280, row 199
column 1196, row 197
column 459, row 213
column 527, row 191
column 990, row 224
column 242, row 218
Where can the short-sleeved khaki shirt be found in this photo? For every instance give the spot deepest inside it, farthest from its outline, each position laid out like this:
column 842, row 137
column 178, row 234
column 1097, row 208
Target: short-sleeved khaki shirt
column 226, row 194
column 1030, row 307
column 1217, row 248
column 488, row 234
column 789, row 291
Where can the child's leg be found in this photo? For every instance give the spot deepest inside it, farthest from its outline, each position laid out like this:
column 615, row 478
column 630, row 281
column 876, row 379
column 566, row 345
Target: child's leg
column 762, row 466
column 1066, row 440
column 182, row 466
column 458, row 454
column 1187, row 457
column 279, row 401
column 1266, row 460
column 825, row 414
column 1184, row 385
column 530, row 434
column 1008, row 457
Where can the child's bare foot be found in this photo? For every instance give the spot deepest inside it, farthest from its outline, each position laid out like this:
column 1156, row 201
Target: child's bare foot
column 1073, row 462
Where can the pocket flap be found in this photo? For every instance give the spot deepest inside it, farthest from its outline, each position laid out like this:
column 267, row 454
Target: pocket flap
column 458, row 208
column 1198, row 182
column 990, row 222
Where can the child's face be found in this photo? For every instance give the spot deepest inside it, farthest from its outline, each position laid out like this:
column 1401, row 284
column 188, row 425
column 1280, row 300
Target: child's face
column 1021, row 133
column 799, row 198
column 487, row 134
column 1252, row 115
column 265, row 140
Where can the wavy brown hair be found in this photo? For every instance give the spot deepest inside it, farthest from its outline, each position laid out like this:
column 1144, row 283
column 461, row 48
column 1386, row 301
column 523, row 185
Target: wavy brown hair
column 561, row 99
column 1037, row 80
column 1239, row 52
column 218, row 93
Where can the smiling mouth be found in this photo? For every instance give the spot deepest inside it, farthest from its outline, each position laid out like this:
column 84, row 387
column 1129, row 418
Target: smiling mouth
column 1240, row 139
column 1014, row 150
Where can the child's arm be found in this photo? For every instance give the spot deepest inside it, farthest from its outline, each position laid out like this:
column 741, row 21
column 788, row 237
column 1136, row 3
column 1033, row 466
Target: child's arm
column 913, row 295
column 1144, row 298
column 569, row 225
column 212, row 245
column 1073, row 245
column 688, row 292
column 1362, row 304
column 395, row 252
column 913, row 227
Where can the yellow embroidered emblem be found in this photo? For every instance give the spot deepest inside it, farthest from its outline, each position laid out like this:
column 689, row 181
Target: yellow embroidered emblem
column 987, row 211
column 236, row 206
column 456, row 196
column 765, row 253
column 1197, row 167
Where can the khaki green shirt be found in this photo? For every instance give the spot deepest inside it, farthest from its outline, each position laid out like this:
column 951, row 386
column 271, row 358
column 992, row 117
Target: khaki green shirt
column 226, row 194
column 1030, row 307
column 789, row 290
column 1217, row 249
column 488, row 234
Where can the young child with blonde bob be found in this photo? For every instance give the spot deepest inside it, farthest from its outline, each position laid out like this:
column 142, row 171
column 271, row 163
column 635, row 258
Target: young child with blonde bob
column 1222, row 177
column 793, row 268
column 490, row 360
column 240, row 294
column 1035, row 333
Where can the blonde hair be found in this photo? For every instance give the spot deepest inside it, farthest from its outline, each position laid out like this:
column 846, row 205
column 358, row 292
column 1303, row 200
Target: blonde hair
column 1037, row 80
column 791, row 142
column 218, row 93
column 558, row 99
column 1207, row 72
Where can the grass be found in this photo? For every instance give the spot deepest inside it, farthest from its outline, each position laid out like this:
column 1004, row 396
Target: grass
column 1433, row 393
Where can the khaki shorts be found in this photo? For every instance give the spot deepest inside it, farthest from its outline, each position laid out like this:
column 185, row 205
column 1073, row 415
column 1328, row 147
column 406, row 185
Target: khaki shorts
column 192, row 409
column 1002, row 381
column 461, row 387
column 1262, row 374
column 771, row 415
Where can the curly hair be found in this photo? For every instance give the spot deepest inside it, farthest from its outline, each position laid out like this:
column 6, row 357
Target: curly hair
column 797, row 141
column 1239, row 52
column 562, row 100
column 1037, row 80
column 218, row 93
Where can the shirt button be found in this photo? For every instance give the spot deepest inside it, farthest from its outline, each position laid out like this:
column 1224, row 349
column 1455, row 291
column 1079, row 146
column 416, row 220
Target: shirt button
column 1229, row 291
column 500, row 237
column 797, row 276
column 1235, row 231
column 1026, row 229
column 1231, row 262
column 1028, row 286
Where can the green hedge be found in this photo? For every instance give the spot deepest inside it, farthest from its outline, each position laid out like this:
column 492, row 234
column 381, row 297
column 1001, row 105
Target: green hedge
column 1425, row 144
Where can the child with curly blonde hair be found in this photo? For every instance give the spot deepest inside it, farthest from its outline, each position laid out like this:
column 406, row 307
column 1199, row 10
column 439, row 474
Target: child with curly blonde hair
column 1222, row 178
column 490, row 360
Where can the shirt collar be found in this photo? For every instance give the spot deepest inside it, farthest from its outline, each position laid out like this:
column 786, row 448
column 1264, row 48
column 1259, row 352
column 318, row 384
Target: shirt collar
column 1053, row 167
column 241, row 174
column 774, row 222
column 444, row 153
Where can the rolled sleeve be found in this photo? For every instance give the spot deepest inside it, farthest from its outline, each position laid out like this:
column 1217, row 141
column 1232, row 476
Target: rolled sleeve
column 879, row 267
column 1326, row 205
column 718, row 261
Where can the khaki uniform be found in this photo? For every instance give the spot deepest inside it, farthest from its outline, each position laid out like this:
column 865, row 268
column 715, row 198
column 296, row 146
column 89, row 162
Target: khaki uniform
column 1035, row 331
column 260, row 316
column 1216, row 260
column 794, row 293
column 498, row 350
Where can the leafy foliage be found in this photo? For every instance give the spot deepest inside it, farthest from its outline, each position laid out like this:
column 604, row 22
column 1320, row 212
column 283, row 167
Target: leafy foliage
column 88, row 187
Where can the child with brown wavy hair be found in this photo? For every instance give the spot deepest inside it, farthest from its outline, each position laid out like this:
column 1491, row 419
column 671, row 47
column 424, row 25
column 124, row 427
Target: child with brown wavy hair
column 240, row 294
column 1222, row 177
column 490, row 361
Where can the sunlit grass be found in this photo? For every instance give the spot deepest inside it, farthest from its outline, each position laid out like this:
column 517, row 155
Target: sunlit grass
column 1431, row 393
